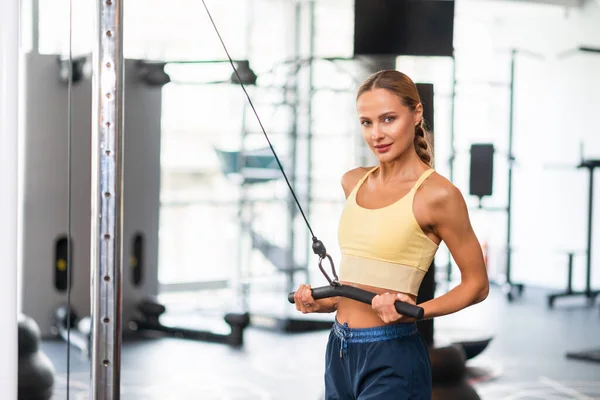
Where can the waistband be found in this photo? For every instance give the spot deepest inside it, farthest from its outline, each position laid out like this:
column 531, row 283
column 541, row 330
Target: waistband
column 374, row 334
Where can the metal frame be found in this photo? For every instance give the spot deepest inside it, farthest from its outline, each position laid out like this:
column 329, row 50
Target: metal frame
column 590, row 165
column 9, row 131
column 509, row 284
column 309, row 117
column 293, row 211
column 106, row 201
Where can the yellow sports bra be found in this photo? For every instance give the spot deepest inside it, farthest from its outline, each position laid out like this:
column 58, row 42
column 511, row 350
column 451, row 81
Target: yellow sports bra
column 384, row 247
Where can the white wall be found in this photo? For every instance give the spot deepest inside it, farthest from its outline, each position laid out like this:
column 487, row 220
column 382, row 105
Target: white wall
column 556, row 103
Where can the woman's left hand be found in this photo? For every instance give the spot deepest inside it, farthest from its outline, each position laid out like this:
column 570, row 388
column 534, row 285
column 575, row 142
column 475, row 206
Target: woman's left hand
column 383, row 304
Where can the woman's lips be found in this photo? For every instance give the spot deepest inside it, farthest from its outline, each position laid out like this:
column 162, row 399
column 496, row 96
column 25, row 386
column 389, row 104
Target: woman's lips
column 382, row 148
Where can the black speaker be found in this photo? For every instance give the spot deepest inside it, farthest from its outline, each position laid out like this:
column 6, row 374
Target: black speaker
column 404, row 27
column 482, row 170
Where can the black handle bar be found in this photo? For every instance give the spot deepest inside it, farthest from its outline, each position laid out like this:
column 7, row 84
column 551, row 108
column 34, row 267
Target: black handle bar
column 351, row 292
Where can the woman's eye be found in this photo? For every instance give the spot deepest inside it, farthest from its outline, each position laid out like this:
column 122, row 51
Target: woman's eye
column 365, row 123
column 389, row 119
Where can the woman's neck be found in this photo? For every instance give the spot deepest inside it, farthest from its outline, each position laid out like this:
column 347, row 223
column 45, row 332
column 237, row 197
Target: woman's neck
column 408, row 166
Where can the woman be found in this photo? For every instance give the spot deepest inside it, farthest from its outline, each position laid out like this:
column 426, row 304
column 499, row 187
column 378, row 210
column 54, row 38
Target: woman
column 395, row 217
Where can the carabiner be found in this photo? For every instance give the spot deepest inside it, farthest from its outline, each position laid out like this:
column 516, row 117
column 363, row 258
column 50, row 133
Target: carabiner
column 320, row 250
column 335, row 282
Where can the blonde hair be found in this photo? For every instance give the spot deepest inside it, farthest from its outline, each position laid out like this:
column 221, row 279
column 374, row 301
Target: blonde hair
column 406, row 90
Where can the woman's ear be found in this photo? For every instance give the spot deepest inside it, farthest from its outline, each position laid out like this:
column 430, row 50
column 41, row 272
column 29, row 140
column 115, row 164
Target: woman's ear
column 418, row 114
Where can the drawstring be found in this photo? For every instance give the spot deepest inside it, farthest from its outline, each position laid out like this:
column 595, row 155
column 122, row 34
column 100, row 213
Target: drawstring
column 344, row 335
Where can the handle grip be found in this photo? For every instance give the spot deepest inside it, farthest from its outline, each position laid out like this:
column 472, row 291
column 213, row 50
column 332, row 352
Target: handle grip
column 364, row 296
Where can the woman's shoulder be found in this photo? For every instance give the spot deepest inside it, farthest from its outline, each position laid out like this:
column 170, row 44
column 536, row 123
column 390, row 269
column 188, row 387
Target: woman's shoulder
column 351, row 178
column 438, row 191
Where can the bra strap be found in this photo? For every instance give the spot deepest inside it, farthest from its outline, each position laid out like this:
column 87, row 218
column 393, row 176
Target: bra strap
column 422, row 178
column 364, row 178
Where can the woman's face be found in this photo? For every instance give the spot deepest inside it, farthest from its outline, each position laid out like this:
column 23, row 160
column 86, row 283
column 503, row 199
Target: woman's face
column 388, row 126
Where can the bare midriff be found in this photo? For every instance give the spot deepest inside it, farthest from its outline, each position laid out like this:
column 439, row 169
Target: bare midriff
column 357, row 314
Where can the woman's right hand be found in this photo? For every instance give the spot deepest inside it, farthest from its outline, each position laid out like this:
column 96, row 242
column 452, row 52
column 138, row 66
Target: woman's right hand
column 304, row 300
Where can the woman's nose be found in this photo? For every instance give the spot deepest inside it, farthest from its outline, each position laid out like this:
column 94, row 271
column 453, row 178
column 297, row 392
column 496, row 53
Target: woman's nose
column 376, row 132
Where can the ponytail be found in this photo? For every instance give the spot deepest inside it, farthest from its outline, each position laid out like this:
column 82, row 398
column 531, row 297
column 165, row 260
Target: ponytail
column 422, row 145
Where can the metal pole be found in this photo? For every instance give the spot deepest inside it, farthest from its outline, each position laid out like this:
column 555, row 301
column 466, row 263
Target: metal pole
column 106, row 201
column 241, row 278
column 588, row 261
column 452, row 122
column 510, row 169
column 9, row 100
column 452, row 159
column 309, row 117
column 35, row 26
column 292, row 212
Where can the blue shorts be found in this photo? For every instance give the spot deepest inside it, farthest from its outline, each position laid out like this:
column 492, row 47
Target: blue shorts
column 387, row 362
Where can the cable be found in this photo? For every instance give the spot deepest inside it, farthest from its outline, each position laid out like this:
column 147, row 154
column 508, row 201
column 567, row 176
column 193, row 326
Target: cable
column 259, row 122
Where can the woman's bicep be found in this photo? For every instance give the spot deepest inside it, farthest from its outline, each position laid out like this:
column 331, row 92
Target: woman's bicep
column 453, row 226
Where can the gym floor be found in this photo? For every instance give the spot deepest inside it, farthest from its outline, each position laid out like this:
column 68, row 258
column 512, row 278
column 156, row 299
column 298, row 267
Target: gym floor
column 525, row 360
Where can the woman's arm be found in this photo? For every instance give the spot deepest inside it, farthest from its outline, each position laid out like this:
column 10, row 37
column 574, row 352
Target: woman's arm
column 441, row 208
column 450, row 222
column 303, row 299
